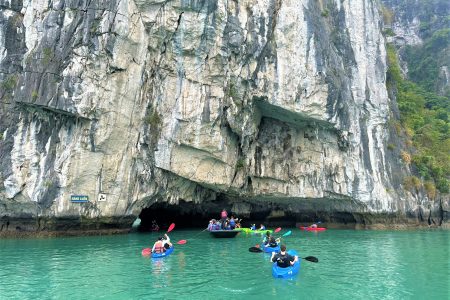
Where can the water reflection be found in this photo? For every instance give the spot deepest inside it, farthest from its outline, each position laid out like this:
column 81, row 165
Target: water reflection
column 161, row 273
column 181, row 261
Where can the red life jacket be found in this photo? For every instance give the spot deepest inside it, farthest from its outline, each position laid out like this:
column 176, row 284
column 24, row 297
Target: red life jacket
column 159, row 247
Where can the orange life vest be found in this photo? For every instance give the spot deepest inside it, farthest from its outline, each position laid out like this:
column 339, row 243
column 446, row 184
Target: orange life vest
column 159, row 247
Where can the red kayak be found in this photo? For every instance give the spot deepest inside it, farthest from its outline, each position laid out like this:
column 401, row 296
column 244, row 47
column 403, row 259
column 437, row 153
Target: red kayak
column 312, row 229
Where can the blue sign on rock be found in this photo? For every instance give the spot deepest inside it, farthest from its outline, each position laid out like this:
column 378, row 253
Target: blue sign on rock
column 79, row 198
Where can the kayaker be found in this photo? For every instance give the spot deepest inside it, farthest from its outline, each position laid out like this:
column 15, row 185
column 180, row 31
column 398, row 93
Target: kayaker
column 270, row 240
column 283, row 258
column 166, row 241
column 158, row 246
column 253, row 227
column 262, row 227
column 313, row 226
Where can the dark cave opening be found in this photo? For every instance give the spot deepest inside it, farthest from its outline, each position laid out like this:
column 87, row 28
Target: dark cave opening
column 188, row 214
column 194, row 215
column 184, row 215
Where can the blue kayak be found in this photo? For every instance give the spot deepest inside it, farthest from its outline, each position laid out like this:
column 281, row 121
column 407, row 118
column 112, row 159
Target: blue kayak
column 164, row 254
column 288, row 272
column 268, row 249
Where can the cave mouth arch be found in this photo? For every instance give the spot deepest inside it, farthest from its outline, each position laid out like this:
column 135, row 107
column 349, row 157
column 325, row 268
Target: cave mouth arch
column 188, row 215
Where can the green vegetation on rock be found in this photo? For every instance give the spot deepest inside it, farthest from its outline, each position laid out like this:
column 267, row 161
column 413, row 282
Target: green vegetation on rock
column 154, row 120
column 424, row 61
column 240, row 164
column 34, row 95
column 9, row 84
column 48, row 54
column 425, row 120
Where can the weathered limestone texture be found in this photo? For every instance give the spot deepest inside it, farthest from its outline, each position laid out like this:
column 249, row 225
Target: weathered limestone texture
column 279, row 103
column 412, row 23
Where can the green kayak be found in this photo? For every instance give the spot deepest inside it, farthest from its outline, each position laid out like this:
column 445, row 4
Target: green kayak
column 248, row 230
column 261, row 231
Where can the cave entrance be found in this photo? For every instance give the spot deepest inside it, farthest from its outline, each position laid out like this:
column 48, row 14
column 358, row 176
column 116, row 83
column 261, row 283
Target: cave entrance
column 184, row 215
column 193, row 215
column 197, row 215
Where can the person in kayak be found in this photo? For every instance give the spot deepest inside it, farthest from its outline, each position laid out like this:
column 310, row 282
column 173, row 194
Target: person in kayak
column 253, row 227
column 270, row 240
column 283, row 258
column 262, row 227
column 166, row 241
column 313, row 226
column 158, row 246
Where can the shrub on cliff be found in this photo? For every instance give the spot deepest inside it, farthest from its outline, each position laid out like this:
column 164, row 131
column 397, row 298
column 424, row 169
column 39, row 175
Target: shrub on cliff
column 425, row 117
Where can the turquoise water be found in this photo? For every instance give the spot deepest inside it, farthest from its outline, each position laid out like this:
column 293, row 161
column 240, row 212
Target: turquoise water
column 352, row 265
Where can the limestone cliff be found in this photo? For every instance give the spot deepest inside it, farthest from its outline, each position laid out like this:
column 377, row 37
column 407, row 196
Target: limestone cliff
column 276, row 105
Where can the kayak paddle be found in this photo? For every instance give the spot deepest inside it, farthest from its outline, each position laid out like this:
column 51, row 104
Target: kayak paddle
column 287, row 233
column 308, row 258
column 255, row 249
column 171, row 227
column 311, row 259
column 146, row 251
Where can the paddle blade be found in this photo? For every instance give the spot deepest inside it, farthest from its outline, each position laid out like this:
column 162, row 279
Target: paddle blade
column 254, row 249
column 311, row 259
column 171, row 227
column 287, row 233
column 146, row 251
column 181, row 242
column 277, row 230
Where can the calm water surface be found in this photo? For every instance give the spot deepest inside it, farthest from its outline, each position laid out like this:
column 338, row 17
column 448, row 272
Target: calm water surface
column 352, row 265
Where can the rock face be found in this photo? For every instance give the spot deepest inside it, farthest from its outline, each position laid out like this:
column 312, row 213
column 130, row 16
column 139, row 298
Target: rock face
column 272, row 106
column 413, row 23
